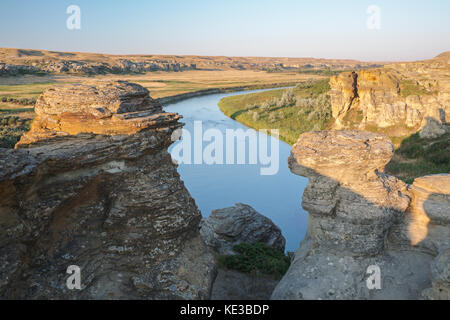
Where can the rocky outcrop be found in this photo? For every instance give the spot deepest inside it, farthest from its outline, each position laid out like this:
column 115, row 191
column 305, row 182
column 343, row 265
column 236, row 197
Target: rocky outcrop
column 399, row 98
column 240, row 223
column 433, row 129
column 92, row 185
column 119, row 66
column 14, row 70
column 361, row 220
column 104, row 108
column 94, row 63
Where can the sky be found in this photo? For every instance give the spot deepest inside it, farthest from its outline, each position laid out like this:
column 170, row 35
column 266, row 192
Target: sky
column 408, row 29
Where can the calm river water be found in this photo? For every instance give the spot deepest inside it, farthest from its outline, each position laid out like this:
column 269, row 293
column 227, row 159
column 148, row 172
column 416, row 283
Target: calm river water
column 218, row 186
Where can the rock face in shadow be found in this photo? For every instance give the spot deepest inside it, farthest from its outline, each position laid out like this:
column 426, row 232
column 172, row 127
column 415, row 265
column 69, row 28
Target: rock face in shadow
column 399, row 98
column 360, row 219
column 92, row 185
column 237, row 224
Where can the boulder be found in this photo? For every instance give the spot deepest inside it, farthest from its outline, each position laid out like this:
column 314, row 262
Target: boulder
column 237, row 224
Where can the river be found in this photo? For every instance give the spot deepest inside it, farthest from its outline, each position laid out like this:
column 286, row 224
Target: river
column 216, row 186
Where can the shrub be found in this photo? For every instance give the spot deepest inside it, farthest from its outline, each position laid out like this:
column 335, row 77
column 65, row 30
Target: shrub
column 12, row 121
column 272, row 117
column 266, row 106
column 288, row 98
column 256, row 258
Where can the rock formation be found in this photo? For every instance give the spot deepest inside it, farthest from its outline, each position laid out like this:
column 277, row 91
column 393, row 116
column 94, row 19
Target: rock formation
column 399, row 98
column 237, row 224
column 227, row 227
column 14, row 70
column 92, row 185
column 361, row 220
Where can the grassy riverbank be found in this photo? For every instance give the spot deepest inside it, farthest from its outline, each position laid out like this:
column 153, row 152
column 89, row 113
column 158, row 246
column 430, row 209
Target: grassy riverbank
column 292, row 111
column 307, row 107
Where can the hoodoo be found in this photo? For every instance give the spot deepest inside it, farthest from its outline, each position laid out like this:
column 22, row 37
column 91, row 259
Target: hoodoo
column 363, row 221
column 93, row 185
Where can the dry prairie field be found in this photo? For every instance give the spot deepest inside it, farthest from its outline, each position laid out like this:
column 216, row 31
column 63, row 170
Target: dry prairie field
column 161, row 84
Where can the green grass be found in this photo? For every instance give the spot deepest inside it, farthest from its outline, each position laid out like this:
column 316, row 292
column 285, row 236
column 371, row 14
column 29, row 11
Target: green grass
column 14, row 110
column 21, row 91
column 353, row 118
column 256, row 258
column 417, row 157
column 308, row 109
column 412, row 88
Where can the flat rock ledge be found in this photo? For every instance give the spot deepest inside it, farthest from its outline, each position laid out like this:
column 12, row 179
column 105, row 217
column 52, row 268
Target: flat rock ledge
column 361, row 219
column 93, row 185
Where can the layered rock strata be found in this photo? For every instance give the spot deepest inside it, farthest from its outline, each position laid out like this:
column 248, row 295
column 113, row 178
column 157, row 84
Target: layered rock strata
column 363, row 221
column 237, row 224
column 92, row 185
column 401, row 98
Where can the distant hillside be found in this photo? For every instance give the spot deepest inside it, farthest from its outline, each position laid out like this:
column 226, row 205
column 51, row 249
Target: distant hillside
column 23, row 61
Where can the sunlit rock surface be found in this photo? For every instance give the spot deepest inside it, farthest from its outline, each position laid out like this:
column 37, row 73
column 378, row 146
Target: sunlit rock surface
column 399, row 98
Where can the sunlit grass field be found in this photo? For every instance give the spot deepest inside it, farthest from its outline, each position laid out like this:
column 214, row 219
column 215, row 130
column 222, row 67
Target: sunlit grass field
column 290, row 119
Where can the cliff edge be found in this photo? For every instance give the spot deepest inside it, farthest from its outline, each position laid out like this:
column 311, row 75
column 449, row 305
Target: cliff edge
column 362, row 221
column 398, row 99
column 92, row 185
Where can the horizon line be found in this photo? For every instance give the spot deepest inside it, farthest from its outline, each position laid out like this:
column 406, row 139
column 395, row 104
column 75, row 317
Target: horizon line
column 229, row 56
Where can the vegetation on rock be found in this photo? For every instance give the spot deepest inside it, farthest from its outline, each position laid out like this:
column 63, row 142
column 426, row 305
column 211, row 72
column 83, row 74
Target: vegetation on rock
column 256, row 258
column 11, row 129
column 418, row 157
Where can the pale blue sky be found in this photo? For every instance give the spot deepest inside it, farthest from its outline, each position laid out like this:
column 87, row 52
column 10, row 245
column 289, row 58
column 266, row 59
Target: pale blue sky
column 410, row 30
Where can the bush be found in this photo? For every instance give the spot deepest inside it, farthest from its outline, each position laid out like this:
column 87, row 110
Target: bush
column 272, row 117
column 288, row 98
column 266, row 106
column 12, row 121
column 256, row 258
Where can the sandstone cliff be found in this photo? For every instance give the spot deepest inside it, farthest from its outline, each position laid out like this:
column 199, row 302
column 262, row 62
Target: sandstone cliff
column 398, row 99
column 360, row 217
column 92, row 185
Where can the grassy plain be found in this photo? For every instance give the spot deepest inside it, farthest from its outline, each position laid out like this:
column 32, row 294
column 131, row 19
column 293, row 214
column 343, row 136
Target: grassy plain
column 308, row 109
column 417, row 157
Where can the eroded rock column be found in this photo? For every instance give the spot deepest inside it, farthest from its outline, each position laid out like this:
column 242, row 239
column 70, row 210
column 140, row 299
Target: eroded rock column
column 358, row 223
column 92, row 185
